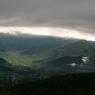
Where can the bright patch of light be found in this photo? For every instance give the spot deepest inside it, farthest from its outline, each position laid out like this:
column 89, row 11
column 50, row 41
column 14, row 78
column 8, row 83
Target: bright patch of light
column 49, row 31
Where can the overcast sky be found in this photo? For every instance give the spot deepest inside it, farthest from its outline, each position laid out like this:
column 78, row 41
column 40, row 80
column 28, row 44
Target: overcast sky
column 65, row 13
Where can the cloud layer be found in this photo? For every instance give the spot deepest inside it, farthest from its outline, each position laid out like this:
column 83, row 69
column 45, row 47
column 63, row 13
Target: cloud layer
column 78, row 14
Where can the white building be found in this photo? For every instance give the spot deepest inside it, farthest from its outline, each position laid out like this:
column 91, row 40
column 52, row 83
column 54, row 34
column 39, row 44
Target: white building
column 86, row 60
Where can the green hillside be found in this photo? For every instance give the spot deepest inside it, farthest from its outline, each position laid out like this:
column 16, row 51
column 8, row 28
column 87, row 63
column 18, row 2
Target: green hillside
column 15, row 58
column 80, row 48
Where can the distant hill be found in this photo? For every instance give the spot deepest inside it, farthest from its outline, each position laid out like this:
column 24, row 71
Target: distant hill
column 29, row 44
column 18, row 50
column 45, row 52
column 79, row 48
column 57, row 59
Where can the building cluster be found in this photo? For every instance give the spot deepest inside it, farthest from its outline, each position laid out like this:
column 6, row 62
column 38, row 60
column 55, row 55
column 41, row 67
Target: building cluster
column 85, row 60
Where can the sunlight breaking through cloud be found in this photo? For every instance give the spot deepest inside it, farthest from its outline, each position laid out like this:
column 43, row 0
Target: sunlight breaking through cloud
column 49, row 31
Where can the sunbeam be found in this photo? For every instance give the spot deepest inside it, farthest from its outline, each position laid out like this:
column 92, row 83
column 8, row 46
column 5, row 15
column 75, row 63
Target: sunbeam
column 49, row 31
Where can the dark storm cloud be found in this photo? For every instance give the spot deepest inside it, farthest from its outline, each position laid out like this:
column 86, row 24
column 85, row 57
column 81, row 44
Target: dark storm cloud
column 72, row 13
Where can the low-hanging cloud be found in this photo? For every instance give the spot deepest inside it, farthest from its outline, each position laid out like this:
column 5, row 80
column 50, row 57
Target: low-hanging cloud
column 76, row 14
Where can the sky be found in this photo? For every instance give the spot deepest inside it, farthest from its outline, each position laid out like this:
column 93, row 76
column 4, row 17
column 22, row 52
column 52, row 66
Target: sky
column 48, row 15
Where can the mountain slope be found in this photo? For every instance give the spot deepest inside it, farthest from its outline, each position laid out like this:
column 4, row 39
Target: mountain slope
column 57, row 59
column 79, row 48
column 29, row 44
column 18, row 50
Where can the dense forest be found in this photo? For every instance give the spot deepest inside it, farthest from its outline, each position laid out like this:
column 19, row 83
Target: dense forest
column 70, row 84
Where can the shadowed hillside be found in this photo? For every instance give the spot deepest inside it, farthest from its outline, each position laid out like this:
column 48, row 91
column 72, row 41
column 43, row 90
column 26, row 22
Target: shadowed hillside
column 29, row 44
column 4, row 65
